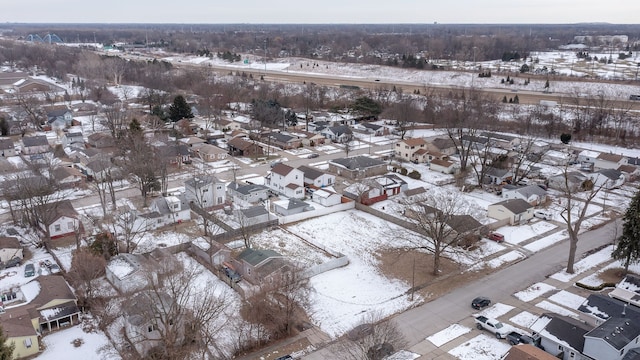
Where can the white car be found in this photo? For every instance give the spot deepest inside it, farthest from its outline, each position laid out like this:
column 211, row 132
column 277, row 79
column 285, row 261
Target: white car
column 543, row 214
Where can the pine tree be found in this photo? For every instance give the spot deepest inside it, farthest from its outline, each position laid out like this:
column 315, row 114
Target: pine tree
column 6, row 350
column 179, row 109
column 628, row 246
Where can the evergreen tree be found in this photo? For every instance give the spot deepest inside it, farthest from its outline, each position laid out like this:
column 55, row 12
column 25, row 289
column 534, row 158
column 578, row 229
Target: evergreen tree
column 628, row 246
column 179, row 109
column 6, row 350
column 516, row 100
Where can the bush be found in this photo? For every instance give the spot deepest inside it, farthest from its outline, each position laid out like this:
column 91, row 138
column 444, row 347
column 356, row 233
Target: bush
column 403, row 171
column 415, row 175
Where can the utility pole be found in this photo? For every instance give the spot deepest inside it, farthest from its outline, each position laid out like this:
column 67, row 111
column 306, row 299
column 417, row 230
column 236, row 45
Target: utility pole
column 265, row 55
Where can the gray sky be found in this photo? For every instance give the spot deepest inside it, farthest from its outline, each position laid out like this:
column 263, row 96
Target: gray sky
column 321, row 11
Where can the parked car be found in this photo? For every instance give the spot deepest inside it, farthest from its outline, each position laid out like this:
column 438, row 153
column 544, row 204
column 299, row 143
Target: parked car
column 54, row 269
column 497, row 237
column 480, row 302
column 313, row 156
column 11, row 263
column 286, row 357
column 29, row 270
column 232, row 274
column 543, row 214
column 516, row 338
column 494, row 326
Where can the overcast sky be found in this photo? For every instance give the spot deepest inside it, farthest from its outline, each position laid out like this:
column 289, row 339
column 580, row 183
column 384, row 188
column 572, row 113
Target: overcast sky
column 321, row 11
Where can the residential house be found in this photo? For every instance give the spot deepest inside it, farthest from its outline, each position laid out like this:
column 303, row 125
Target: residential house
column 75, row 139
column 391, row 184
column 574, row 179
column 249, row 193
column 53, row 307
column 495, row 176
column 613, row 339
column 32, row 145
column 527, row 352
column 357, row 167
column 63, row 117
column 163, row 211
column 311, row 139
column 533, row 194
column 443, row 166
column 286, row 180
column 239, row 133
column 607, row 179
column 10, row 248
column 99, row 168
column 193, row 142
column 338, row 134
column 316, row 177
column 628, row 290
column 67, row 177
column 326, row 198
column 609, row 161
column 205, row 191
column 366, row 192
column 7, row 148
column 148, row 315
column 252, row 216
column 130, row 273
column 630, row 172
column 227, row 125
column 242, row 147
column 445, row 146
column 209, row 153
column 461, row 225
column 408, row 150
column 100, row 140
column 588, row 156
column 475, row 142
column 503, row 141
column 291, row 206
column 61, row 220
column 598, row 308
column 262, row 267
column 516, row 211
column 415, row 194
column 283, row 141
column 174, row 154
column 36, row 85
column 561, row 336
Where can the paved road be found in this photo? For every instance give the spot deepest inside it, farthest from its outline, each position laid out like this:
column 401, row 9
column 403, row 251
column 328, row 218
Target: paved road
column 418, row 323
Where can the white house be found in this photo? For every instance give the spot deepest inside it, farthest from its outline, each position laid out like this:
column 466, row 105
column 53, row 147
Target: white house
column 62, row 218
column 248, row 193
column 10, row 248
column 516, row 210
column 205, row 191
column 6, row 148
column 409, row 149
column 316, row 177
column 609, row 161
column 35, row 145
column 607, row 179
column 338, row 134
column 286, row 180
column 165, row 211
column 442, row 166
column 326, row 198
column 533, row 194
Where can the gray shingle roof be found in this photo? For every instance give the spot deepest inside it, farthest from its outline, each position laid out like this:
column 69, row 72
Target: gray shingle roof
column 516, row 206
column 358, row 162
column 253, row 212
column 310, row 172
column 618, row 332
column 567, row 329
column 256, row 256
column 38, row 140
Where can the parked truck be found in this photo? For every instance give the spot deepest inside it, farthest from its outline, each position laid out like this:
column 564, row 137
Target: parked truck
column 497, row 328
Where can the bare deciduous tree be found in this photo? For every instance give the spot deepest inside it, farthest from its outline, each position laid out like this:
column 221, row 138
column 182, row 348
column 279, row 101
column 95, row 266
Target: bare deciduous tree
column 374, row 338
column 85, row 268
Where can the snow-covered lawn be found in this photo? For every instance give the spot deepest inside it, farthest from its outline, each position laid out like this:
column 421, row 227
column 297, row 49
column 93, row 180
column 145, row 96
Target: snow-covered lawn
column 567, row 299
column 444, row 336
column 585, row 264
column 509, row 257
column 556, row 309
column 91, row 345
column 533, row 291
column 495, row 311
column 518, row 234
column 524, row 319
column 547, row 241
column 342, row 296
column 481, row 347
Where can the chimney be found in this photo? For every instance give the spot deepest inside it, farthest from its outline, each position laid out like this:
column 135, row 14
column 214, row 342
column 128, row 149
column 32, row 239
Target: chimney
column 624, row 310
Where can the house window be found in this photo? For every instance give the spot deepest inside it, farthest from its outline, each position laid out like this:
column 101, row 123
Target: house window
column 572, row 355
column 152, row 327
column 56, row 227
column 70, row 225
column 219, row 199
column 205, row 190
column 560, row 347
column 27, row 342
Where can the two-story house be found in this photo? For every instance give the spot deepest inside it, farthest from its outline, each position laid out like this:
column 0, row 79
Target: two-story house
column 316, row 177
column 164, row 211
column 61, row 219
column 413, row 149
column 7, row 148
column 286, row 180
column 32, row 145
column 205, row 191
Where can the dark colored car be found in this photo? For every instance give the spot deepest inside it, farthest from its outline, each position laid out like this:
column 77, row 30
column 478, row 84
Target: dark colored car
column 11, row 263
column 232, row 274
column 480, row 302
column 516, row 338
column 497, row 237
column 286, row 357
column 313, row 156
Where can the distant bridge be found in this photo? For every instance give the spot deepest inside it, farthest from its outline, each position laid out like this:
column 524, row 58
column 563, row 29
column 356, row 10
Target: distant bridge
column 48, row 39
